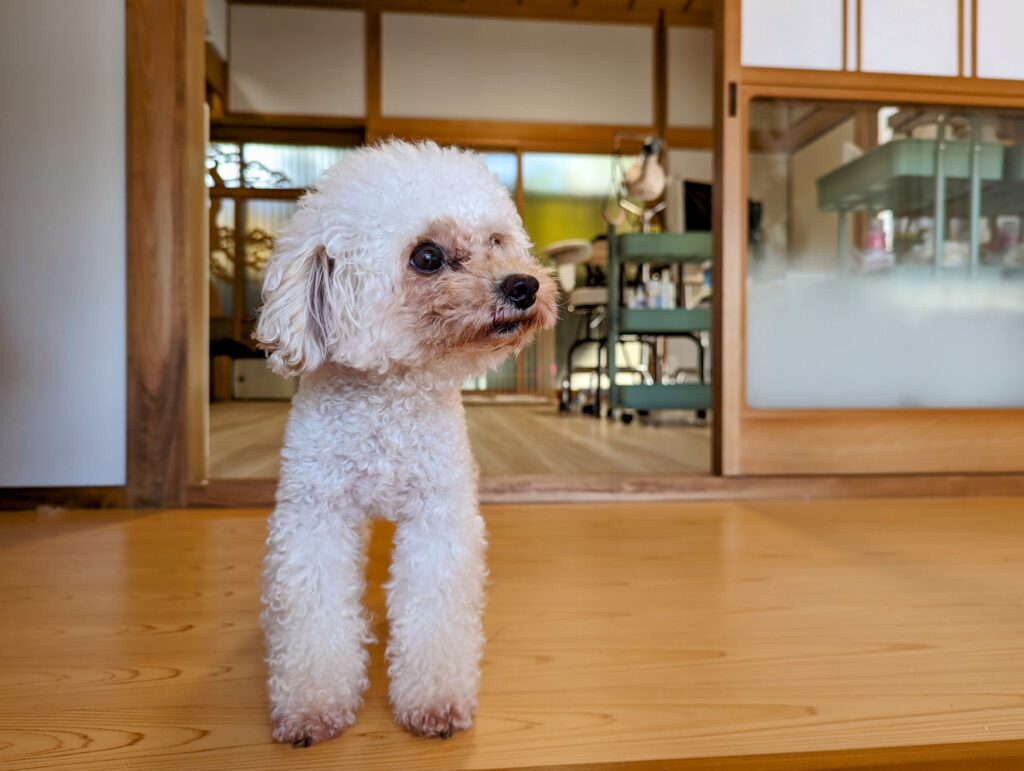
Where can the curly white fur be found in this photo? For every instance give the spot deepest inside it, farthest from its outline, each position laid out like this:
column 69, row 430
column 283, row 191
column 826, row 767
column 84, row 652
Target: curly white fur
column 377, row 429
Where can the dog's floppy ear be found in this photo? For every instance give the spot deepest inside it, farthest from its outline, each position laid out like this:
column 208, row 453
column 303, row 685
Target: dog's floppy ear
column 294, row 326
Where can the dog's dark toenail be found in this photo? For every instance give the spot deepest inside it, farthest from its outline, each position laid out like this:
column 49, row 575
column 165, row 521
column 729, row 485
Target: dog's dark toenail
column 303, row 742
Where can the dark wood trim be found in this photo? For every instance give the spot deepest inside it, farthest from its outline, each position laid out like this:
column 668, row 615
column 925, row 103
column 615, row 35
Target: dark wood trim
column 285, row 120
column 509, row 135
column 226, row 131
column 24, row 498
column 676, row 13
column 860, row 34
column 959, row 38
column 690, row 137
column 164, row 47
column 846, row 33
column 871, row 86
column 276, row 193
column 974, row 39
column 695, row 487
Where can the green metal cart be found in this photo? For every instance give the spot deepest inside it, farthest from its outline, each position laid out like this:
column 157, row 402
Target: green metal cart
column 657, row 249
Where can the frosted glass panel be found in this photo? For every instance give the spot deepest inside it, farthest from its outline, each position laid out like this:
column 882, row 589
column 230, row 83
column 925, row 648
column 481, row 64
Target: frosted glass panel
column 1000, row 54
column 850, row 304
column 917, row 37
column 792, row 33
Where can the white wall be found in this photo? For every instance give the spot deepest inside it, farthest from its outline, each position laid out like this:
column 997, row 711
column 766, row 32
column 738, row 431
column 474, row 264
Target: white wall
column 297, row 61
column 216, row 17
column 62, row 250
column 497, row 69
column 691, row 76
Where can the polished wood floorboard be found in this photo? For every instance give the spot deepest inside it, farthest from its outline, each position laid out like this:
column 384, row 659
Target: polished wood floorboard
column 774, row 635
column 508, row 439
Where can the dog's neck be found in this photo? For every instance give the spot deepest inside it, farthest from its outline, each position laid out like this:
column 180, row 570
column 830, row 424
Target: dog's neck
column 398, row 382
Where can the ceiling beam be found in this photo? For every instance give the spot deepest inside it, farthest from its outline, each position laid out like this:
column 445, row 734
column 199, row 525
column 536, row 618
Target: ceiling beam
column 619, row 11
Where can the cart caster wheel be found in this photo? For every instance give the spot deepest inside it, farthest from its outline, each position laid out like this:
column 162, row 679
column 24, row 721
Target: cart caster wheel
column 643, row 413
column 563, row 407
column 627, row 418
column 587, row 409
column 702, row 414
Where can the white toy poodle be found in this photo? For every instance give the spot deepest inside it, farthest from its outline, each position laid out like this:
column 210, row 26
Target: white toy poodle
column 405, row 270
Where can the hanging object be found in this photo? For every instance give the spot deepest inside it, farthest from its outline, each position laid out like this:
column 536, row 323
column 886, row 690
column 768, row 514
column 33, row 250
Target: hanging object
column 636, row 189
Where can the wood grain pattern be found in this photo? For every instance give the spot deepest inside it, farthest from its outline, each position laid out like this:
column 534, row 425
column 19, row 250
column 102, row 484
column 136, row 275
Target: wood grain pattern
column 777, row 636
column 862, row 441
column 164, row 91
column 507, row 440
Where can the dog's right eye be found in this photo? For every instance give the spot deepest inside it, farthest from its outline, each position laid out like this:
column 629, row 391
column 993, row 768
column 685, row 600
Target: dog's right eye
column 427, row 258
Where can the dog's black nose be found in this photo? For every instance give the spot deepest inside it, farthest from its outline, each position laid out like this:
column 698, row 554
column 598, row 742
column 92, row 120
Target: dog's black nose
column 520, row 290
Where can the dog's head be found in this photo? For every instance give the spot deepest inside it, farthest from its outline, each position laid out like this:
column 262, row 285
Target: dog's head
column 403, row 255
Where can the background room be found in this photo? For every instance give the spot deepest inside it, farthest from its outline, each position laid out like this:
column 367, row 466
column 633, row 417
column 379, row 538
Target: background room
column 560, row 108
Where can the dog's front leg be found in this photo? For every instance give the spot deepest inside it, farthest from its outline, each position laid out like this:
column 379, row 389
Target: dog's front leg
column 435, row 603
column 314, row 623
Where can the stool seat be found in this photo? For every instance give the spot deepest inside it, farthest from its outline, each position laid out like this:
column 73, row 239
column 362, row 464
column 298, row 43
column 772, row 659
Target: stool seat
column 587, row 297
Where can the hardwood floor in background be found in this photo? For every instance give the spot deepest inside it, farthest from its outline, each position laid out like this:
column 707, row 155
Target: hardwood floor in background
column 769, row 636
column 507, row 439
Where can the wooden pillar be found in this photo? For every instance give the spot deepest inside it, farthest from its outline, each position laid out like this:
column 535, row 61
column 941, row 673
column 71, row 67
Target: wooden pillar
column 165, row 91
column 730, row 225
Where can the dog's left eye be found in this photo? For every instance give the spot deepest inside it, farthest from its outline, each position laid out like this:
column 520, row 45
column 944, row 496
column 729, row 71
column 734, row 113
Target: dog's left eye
column 427, row 258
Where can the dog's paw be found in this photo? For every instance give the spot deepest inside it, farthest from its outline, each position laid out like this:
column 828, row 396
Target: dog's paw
column 440, row 720
column 307, row 729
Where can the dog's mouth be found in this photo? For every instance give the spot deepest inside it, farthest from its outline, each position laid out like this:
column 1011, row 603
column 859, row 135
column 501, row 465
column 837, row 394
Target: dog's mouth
column 507, row 328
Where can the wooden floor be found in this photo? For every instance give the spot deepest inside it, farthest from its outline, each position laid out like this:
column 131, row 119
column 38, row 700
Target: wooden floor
column 508, row 439
column 783, row 635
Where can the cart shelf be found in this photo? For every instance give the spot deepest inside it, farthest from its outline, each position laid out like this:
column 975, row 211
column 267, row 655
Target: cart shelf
column 659, row 396
column 664, row 248
column 635, row 321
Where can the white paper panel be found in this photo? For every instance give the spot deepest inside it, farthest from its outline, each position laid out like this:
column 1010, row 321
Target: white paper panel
column 297, row 61
column 691, row 76
column 806, row 34
column 1001, row 39
column 500, row 69
column 916, row 37
column 62, row 250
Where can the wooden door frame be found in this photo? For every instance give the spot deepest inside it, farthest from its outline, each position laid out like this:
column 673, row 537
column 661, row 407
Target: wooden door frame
column 166, row 282
column 750, row 441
